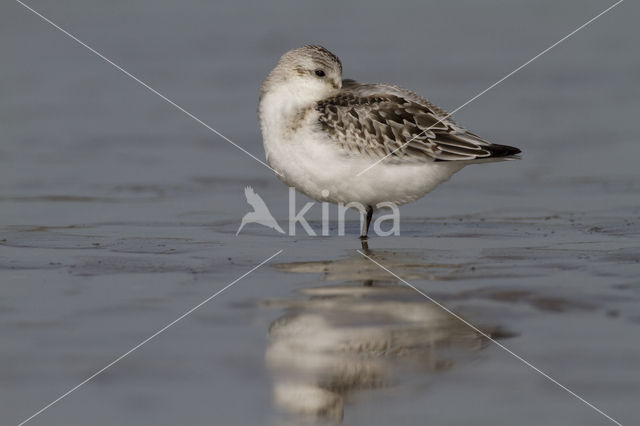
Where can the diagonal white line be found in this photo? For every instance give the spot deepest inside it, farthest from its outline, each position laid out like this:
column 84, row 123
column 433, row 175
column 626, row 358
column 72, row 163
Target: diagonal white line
column 145, row 85
column 162, row 330
column 493, row 85
column 482, row 333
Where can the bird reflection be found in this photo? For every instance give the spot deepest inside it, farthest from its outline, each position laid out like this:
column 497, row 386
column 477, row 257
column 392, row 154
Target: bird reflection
column 339, row 339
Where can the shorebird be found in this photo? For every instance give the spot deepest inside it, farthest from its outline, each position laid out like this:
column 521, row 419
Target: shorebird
column 345, row 142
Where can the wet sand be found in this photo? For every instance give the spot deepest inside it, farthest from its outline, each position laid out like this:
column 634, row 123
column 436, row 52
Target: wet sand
column 118, row 214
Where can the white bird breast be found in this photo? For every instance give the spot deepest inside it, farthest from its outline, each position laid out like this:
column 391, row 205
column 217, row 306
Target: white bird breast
column 310, row 161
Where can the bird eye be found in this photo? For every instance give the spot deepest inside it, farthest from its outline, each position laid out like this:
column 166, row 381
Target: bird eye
column 320, row 73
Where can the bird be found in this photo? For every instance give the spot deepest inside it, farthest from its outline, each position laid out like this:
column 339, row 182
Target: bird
column 260, row 213
column 340, row 141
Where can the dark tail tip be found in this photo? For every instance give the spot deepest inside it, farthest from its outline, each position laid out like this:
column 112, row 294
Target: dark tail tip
column 503, row 150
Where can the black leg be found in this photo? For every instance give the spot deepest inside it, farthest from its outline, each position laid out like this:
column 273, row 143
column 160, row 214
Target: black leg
column 365, row 228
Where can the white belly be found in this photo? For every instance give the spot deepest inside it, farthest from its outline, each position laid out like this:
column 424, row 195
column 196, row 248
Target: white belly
column 318, row 168
column 315, row 165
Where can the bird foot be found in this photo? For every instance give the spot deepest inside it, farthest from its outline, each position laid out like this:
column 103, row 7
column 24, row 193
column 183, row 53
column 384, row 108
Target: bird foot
column 364, row 243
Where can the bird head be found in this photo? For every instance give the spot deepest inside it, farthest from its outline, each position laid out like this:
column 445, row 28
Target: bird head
column 309, row 73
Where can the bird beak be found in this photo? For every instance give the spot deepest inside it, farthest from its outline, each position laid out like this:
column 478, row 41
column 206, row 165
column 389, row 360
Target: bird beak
column 337, row 84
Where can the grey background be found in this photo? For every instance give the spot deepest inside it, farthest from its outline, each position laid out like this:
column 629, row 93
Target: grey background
column 118, row 212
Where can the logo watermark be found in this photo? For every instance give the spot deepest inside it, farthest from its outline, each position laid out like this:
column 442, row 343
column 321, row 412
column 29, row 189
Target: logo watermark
column 385, row 224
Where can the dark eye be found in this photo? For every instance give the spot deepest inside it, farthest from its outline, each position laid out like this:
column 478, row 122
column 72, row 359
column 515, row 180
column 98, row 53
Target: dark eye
column 320, row 73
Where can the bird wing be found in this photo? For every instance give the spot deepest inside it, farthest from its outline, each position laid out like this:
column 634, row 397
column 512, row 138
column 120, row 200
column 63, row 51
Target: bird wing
column 254, row 200
column 381, row 120
column 368, row 89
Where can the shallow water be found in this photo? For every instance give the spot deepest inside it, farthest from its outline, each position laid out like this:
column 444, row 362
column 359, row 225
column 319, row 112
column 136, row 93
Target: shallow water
column 118, row 214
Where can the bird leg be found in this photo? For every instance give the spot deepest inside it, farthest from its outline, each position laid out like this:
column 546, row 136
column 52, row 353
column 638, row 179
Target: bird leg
column 365, row 226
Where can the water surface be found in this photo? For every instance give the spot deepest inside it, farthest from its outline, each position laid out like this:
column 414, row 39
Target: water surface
column 118, row 213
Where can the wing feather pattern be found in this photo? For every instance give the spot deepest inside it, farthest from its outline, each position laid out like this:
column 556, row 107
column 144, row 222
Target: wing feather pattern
column 378, row 119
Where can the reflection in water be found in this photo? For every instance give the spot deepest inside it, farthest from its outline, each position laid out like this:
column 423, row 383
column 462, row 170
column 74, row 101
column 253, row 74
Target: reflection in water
column 344, row 338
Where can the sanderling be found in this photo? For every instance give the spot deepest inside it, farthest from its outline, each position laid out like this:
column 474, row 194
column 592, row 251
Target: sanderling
column 321, row 132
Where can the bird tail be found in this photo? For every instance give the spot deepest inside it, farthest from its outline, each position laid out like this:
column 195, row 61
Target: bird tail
column 497, row 153
column 503, row 151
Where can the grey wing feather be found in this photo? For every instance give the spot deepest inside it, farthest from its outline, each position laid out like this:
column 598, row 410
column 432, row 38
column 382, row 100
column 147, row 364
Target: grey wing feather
column 380, row 119
column 368, row 89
